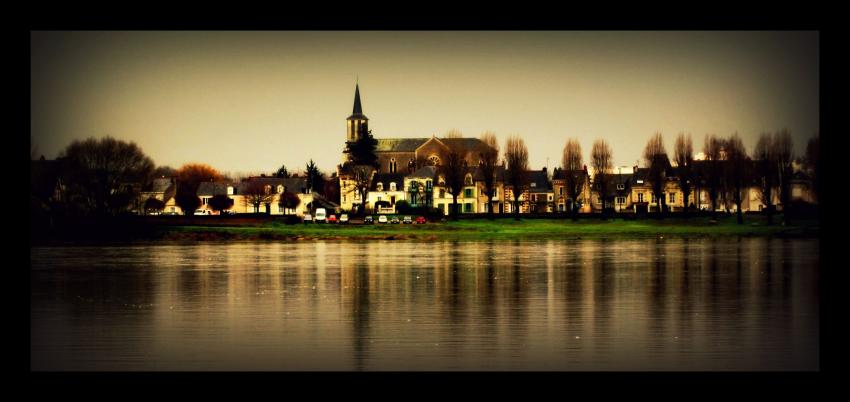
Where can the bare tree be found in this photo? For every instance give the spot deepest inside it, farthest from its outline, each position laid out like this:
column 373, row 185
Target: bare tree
column 454, row 171
column 655, row 157
column 516, row 157
column 104, row 175
column 453, row 133
column 361, row 178
column 783, row 151
column 256, row 194
column 812, row 162
column 572, row 163
column 737, row 172
column 684, row 158
column 601, row 159
column 489, row 162
column 712, row 149
column 765, row 164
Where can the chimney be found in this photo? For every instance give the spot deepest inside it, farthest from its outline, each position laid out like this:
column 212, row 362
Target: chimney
column 634, row 169
column 585, row 168
column 544, row 169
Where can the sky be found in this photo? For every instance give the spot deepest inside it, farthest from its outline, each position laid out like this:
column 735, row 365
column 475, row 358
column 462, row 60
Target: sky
column 250, row 101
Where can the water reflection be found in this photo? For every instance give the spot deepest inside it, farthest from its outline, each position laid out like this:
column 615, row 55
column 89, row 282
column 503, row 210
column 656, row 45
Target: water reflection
column 660, row 304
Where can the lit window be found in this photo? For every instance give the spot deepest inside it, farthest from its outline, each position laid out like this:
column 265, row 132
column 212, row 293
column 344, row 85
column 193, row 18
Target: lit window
column 392, row 186
column 380, row 187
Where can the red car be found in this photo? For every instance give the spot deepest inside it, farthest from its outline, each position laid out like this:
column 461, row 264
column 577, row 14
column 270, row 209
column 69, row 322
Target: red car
column 332, row 219
column 420, row 219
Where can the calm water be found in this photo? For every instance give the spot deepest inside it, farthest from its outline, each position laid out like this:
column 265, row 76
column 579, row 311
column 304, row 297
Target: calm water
column 708, row 304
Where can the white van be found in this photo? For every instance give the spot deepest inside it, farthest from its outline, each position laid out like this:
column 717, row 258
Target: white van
column 321, row 215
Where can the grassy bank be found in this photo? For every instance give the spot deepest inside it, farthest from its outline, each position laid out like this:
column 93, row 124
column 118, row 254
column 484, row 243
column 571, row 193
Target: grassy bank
column 499, row 229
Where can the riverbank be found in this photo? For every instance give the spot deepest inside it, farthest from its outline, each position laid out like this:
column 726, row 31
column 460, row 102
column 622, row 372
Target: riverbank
column 498, row 229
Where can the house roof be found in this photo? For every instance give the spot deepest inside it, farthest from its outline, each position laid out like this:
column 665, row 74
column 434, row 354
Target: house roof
column 538, row 181
column 425, row 172
column 386, row 179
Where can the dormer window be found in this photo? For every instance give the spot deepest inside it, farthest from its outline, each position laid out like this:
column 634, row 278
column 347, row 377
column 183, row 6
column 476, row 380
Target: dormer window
column 229, row 190
column 533, row 184
column 380, row 187
column 621, row 187
column 392, row 186
column 268, row 189
column 279, row 188
column 468, row 180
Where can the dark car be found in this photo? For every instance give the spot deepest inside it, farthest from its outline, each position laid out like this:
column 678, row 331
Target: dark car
column 420, row 220
column 394, row 220
column 369, row 220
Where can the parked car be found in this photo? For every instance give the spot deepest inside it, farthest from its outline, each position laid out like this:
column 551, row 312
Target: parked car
column 321, row 215
column 394, row 220
column 343, row 218
column 308, row 218
column 382, row 219
column 420, row 220
column 407, row 219
column 201, row 212
column 332, row 219
column 369, row 220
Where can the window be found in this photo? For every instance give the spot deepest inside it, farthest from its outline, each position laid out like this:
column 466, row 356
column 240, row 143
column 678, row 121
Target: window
column 495, row 193
column 621, row 187
column 533, row 184
column 442, row 193
column 392, row 186
column 560, row 190
column 640, row 197
column 268, row 189
column 434, row 160
column 621, row 200
column 467, row 207
column 654, row 199
column 279, row 188
column 672, row 198
column 229, row 190
column 279, row 208
column 204, row 200
column 428, row 185
column 380, row 187
column 468, row 180
column 467, row 193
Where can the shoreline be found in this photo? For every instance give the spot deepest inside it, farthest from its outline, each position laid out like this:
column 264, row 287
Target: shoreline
column 504, row 229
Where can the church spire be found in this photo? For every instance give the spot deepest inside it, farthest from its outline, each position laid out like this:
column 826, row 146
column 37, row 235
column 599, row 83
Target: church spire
column 357, row 108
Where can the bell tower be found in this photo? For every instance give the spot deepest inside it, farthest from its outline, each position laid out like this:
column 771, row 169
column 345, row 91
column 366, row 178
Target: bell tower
column 357, row 124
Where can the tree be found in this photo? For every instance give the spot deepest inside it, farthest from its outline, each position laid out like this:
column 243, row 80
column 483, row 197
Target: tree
column 164, row 171
column 153, row 205
column 103, row 175
column 683, row 154
column 189, row 177
column 766, row 171
column 362, row 150
column 516, row 158
column 220, row 203
column 575, row 175
column 489, row 162
column 601, row 159
column 812, row 162
column 454, row 171
column 256, row 194
column 712, row 149
column 282, row 172
column 453, row 133
column 737, row 171
column 289, row 200
column 655, row 157
column 783, row 151
column 315, row 179
column 331, row 189
column 361, row 178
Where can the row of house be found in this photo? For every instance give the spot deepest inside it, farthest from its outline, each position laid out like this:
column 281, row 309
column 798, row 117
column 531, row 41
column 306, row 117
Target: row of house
column 258, row 194
column 547, row 192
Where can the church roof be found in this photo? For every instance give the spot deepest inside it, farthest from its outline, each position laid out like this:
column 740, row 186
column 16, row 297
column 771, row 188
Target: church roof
column 399, row 144
column 357, row 112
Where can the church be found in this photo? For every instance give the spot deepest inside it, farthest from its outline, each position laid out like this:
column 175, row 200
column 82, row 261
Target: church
column 406, row 155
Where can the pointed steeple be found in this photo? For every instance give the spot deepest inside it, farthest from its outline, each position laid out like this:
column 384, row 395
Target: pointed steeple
column 357, row 108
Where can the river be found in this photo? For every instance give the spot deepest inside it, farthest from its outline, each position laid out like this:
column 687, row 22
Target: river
column 588, row 305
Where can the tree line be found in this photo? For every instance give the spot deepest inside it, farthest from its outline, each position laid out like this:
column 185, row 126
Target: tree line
column 106, row 176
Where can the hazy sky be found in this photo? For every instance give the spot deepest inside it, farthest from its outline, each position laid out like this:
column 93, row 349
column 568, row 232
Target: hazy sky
column 251, row 101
